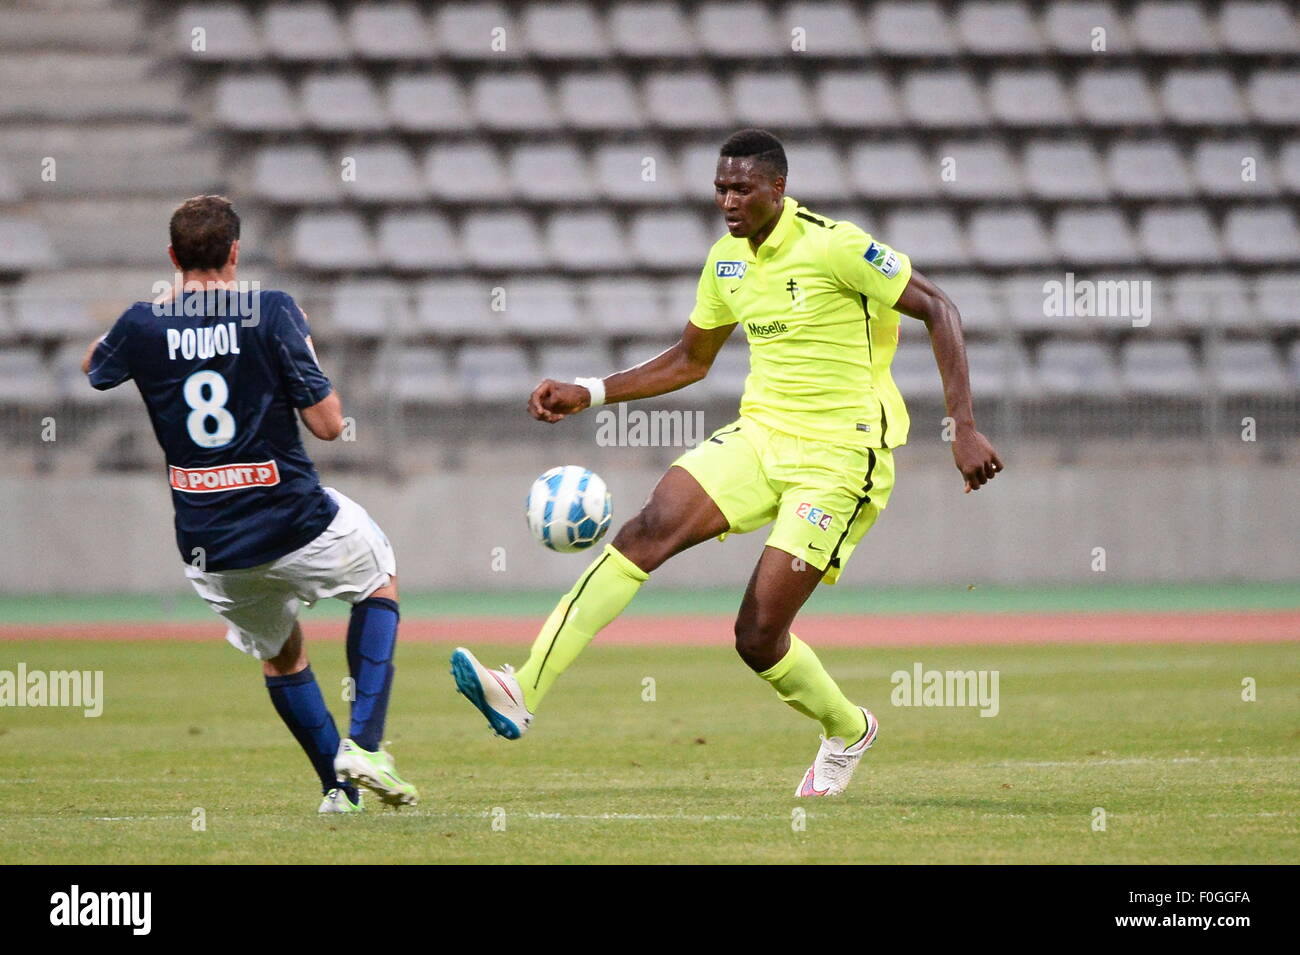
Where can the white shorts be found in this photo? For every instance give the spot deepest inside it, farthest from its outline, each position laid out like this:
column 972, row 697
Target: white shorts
column 350, row 559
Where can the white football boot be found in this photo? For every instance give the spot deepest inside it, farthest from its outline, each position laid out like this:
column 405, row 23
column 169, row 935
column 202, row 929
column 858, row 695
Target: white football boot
column 336, row 801
column 831, row 771
column 496, row 693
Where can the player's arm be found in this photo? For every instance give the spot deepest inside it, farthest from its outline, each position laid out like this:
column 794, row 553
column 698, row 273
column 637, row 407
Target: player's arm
column 683, row 364
column 325, row 418
column 90, row 353
column 971, row 451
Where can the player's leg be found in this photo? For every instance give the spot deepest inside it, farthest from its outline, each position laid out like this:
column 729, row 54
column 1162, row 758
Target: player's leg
column 778, row 588
column 678, row 515
column 371, row 642
column 297, row 698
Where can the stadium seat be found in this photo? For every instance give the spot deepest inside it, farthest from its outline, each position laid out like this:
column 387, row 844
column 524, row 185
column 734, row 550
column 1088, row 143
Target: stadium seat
column 915, row 373
column 1293, row 359
column 466, row 172
column 229, row 34
column 25, row 380
column 893, row 170
column 1000, row 239
column 981, row 170
column 385, row 172
column 640, row 172
column 816, row 173
column 512, row 101
column 1067, row 369
column 24, row 245
column 503, row 240
column 602, row 100
column 1277, row 299
column 1272, row 96
column 685, row 100
column 567, row 362
column 551, row 172
column 303, row 32
column 910, row 28
column 1219, row 170
column 738, row 28
column 697, row 165
column 932, row 238
column 477, row 31
column 460, row 308
column 1261, row 235
column 343, row 103
column 1148, row 169
column 1032, row 97
column 830, row 28
column 1094, row 236
column 997, row 28
column 679, row 294
column 628, row 305
column 543, row 308
column 1173, row 27
column 656, row 29
column 1067, row 170
column 857, row 100
column 1257, row 26
column 41, row 311
column 669, row 240
column 976, row 298
column 563, row 31
column 389, row 31
column 1024, row 299
column 427, row 103
column 332, row 241
column 726, row 379
column 1160, row 368
column 779, row 100
column 294, row 175
column 372, row 308
column 1209, row 299
column 589, row 241
column 417, row 376
column 1069, row 27
column 1116, row 97
column 1202, row 98
column 943, row 98
column 1178, row 236
column 1288, row 162
column 1238, row 368
column 495, row 373
column 418, row 242
column 1000, row 369
column 256, row 103
column 9, row 190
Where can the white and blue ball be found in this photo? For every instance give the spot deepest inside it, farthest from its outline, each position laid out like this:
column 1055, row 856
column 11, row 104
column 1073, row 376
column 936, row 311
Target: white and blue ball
column 569, row 508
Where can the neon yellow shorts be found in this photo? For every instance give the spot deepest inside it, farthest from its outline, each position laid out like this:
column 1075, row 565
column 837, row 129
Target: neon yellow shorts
column 821, row 498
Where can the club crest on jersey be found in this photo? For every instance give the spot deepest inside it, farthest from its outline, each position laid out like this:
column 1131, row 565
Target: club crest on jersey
column 814, row 515
column 883, row 259
column 732, row 270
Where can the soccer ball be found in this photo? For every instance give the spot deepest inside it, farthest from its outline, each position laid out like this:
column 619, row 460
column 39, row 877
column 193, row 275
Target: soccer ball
column 569, row 508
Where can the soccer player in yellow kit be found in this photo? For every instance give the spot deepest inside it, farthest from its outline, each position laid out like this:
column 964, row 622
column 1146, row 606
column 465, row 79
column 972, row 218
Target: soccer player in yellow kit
column 811, row 453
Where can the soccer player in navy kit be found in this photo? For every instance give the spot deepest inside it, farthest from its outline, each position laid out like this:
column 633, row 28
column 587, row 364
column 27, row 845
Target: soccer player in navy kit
column 222, row 372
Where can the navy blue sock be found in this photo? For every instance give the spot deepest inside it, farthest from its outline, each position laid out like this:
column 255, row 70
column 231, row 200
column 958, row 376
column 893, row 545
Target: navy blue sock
column 298, row 700
column 372, row 637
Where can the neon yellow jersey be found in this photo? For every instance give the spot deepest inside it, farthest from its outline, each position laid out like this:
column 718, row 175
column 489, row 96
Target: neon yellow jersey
column 816, row 303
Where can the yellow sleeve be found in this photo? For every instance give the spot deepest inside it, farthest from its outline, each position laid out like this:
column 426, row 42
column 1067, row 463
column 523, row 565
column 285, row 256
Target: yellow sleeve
column 867, row 265
column 710, row 311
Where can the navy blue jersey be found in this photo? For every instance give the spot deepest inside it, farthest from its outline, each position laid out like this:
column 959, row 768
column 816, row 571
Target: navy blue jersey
column 221, row 374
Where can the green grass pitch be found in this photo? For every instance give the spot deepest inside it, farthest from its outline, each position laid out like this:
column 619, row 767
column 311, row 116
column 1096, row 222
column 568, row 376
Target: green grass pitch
column 1156, row 736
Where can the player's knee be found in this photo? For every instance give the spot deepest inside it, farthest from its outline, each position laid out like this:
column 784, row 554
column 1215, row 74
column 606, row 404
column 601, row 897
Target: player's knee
column 755, row 639
column 644, row 540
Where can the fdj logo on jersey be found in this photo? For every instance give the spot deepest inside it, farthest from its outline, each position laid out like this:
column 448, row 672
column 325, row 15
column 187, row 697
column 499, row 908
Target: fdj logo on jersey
column 732, row 270
column 814, row 515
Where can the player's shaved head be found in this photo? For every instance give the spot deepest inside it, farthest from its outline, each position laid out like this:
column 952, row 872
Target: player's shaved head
column 761, row 146
column 203, row 229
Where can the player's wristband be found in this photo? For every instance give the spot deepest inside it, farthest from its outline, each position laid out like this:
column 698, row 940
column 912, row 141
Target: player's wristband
column 597, row 388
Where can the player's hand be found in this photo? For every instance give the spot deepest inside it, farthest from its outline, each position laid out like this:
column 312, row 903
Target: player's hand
column 975, row 458
column 552, row 400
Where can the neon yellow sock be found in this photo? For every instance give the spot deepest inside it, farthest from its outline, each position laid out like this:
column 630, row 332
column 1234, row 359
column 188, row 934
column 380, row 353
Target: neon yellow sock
column 600, row 595
column 801, row 681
